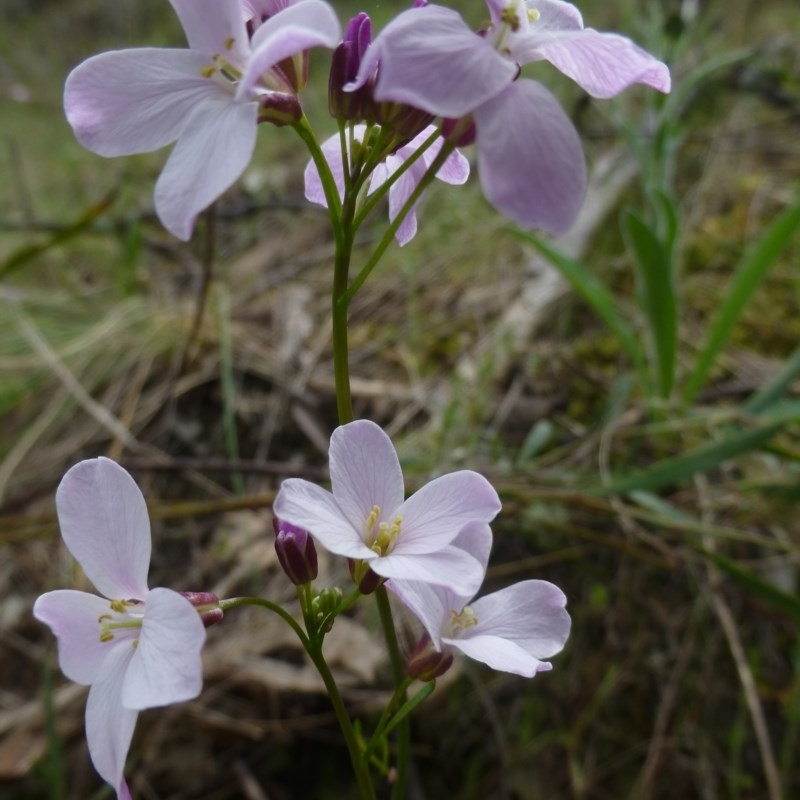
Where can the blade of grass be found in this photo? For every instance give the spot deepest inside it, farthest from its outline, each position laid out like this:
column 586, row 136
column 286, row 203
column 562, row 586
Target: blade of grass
column 594, row 293
column 672, row 470
column 756, row 586
column 658, row 297
column 747, row 277
column 774, row 389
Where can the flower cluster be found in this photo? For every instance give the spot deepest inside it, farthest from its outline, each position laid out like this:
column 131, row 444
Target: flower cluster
column 247, row 61
column 431, row 549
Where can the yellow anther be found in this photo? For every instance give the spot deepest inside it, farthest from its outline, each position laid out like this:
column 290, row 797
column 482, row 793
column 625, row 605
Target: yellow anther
column 372, row 520
column 509, row 17
column 387, row 535
column 104, row 616
column 533, row 15
column 229, row 42
column 462, row 620
column 106, row 636
column 120, row 606
column 135, row 643
column 208, row 71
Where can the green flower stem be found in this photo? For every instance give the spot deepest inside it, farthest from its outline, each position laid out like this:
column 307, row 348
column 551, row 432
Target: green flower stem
column 314, row 650
column 305, row 132
column 384, row 243
column 237, row 602
column 388, row 713
column 399, row 676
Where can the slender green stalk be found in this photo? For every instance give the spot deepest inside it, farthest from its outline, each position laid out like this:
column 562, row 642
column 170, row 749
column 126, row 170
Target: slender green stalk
column 399, row 676
column 388, row 236
column 314, row 650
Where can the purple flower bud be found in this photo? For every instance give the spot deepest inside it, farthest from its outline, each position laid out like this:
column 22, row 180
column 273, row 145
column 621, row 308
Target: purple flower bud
column 426, row 662
column 352, row 106
column 206, row 605
column 296, row 552
column 363, row 577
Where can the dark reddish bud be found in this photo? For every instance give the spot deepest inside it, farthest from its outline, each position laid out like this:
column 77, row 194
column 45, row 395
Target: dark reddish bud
column 296, row 552
column 207, row 606
column 427, row 663
column 363, row 576
column 352, row 106
column 280, row 108
column 461, row 132
column 406, row 120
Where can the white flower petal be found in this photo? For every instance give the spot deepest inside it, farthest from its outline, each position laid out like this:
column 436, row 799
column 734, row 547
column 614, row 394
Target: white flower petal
column 299, row 27
column 309, row 506
column 135, row 101
column 365, row 472
column 109, row 726
column 211, row 154
column 73, row 618
column 531, row 613
column 501, row 654
column 166, row 667
column 214, row 26
column 530, row 157
column 434, row 515
column 449, row 567
column 429, row 603
column 104, row 523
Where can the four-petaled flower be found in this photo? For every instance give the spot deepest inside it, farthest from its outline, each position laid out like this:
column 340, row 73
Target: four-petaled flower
column 365, row 517
column 512, row 630
column 206, row 98
column 455, row 170
column 530, row 159
column 137, row 648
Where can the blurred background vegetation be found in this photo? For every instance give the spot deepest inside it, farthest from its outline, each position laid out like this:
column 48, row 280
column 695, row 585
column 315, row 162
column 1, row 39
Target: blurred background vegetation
column 631, row 389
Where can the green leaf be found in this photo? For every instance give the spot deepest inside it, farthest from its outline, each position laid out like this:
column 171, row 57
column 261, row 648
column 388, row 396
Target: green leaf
column 758, row 587
column 772, row 391
column 423, row 694
column 658, row 297
column 747, row 277
column 594, row 293
column 672, row 470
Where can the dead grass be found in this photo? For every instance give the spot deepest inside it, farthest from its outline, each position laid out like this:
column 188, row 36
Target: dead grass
column 101, row 352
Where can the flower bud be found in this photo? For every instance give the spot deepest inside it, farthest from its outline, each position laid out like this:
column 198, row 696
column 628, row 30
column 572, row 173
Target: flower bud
column 353, row 106
column 426, row 662
column 280, row 108
column 207, row 606
column 296, row 552
column 324, row 604
column 363, row 576
column 461, row 132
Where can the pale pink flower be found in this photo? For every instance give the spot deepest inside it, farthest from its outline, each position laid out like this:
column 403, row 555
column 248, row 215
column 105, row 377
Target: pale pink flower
column 455, row 171
column 206, row 98
column 137, row 648
column 513, row 630
column 365, row 517
column 530, row 160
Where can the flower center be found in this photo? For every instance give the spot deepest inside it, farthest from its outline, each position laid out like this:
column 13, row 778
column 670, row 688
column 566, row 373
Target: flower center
column 126, row 616
column 381, row 536
column 515, row 17
column 461, row 620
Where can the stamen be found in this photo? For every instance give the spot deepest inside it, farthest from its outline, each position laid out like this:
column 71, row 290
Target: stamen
column 460, row 621
column 386, row 536
column 106, row 636
column 229, row 43
column 372, row 520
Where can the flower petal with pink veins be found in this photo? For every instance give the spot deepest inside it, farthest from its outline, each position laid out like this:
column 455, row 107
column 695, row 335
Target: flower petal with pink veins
column 104, row 524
